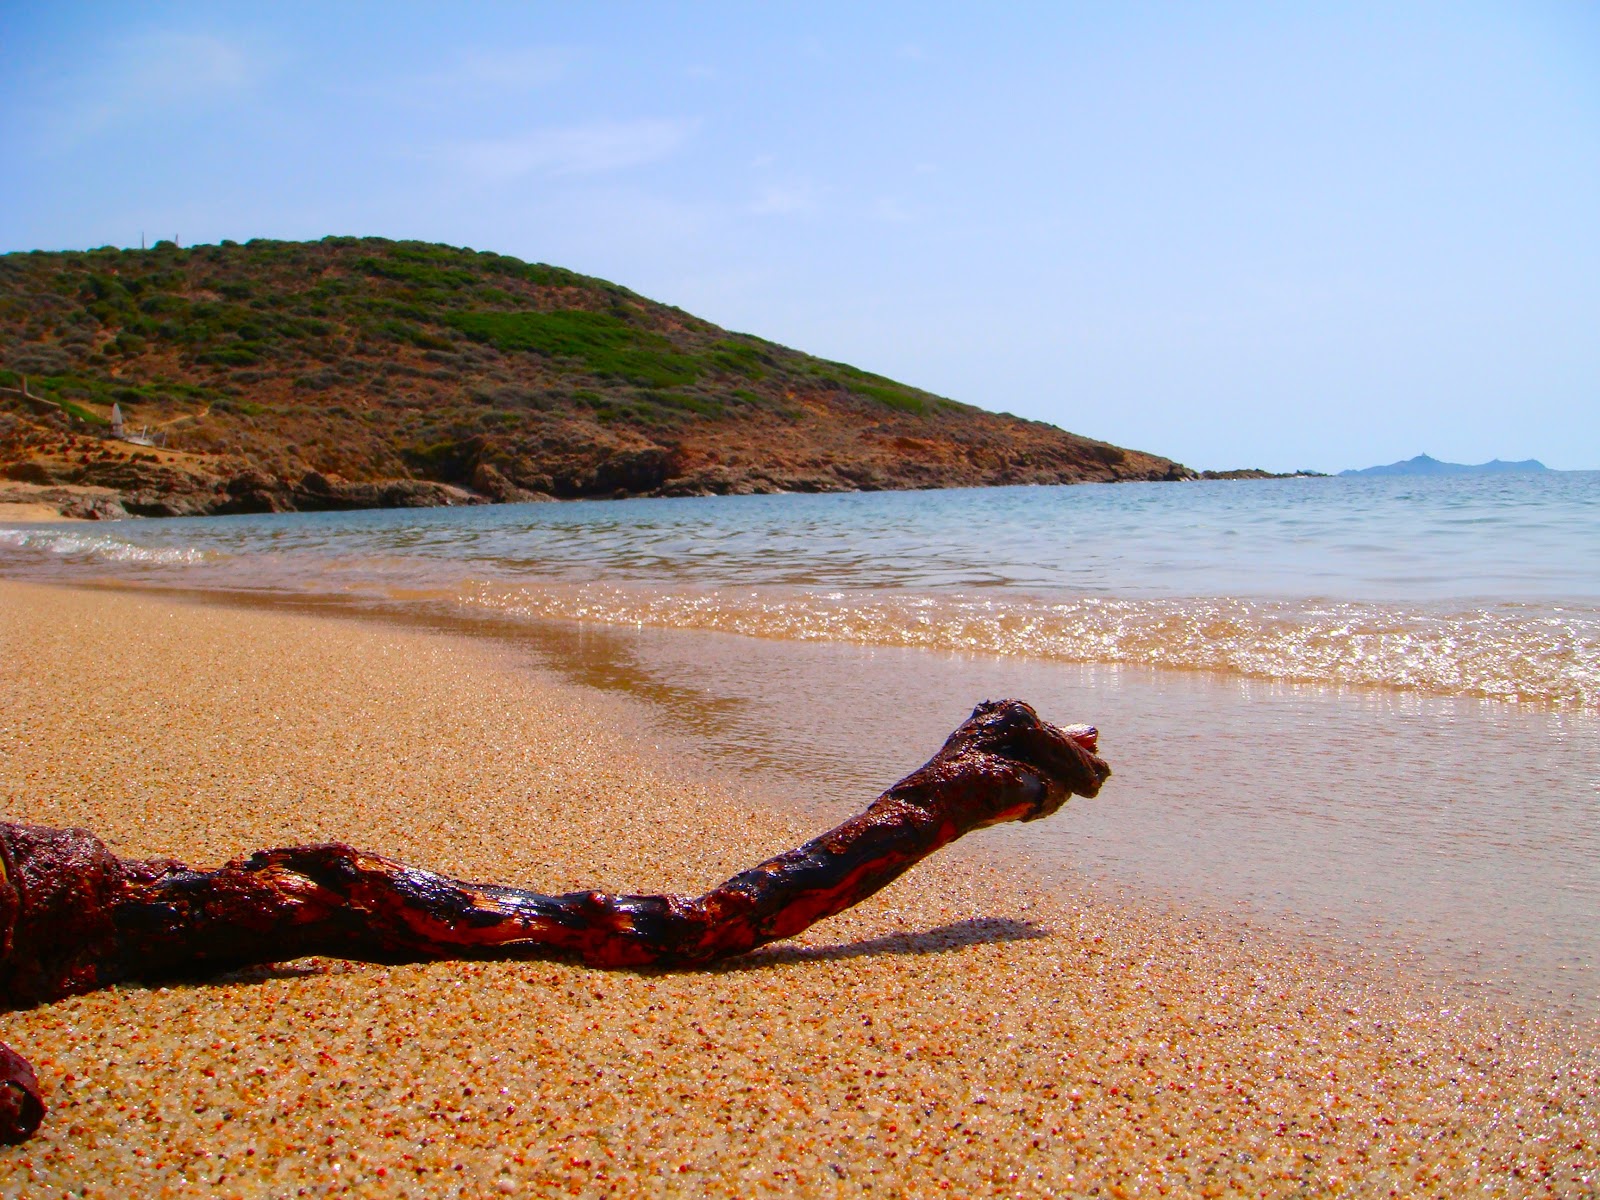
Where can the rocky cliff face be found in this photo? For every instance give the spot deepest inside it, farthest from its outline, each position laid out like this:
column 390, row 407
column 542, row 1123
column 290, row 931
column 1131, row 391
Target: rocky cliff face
column 360, row 372
column 143, row 485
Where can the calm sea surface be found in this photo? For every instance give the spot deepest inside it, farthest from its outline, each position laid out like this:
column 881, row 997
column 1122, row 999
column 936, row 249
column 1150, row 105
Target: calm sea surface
column 1364, row 705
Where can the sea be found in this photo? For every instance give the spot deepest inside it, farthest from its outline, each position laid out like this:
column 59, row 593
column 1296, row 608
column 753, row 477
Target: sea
column 1361, row 710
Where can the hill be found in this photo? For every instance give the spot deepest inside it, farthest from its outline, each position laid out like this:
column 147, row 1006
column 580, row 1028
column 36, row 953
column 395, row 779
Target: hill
column 1423, row 465
column 360, row 372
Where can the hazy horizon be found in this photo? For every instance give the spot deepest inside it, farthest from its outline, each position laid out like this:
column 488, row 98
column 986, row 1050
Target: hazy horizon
column 1318, row 238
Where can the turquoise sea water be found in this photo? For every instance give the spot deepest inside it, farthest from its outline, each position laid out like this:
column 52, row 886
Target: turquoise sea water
column 1370, row 707
column 1467, row 586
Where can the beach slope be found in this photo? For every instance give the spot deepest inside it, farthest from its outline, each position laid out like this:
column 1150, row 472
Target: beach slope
column 958, row 1032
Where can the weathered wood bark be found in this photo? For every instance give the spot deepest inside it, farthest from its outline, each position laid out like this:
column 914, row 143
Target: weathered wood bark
column 74, row 917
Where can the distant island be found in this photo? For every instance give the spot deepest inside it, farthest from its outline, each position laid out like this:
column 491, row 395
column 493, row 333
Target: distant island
column 363, row 373
column 1423, row 465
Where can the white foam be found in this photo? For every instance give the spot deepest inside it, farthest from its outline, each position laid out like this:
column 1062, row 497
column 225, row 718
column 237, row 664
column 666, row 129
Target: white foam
column 104, row 547
column 1513, row 653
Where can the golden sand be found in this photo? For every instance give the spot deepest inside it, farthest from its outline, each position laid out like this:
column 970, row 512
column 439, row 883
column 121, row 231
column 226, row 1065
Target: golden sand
column 955, row 1035
column 30, row 512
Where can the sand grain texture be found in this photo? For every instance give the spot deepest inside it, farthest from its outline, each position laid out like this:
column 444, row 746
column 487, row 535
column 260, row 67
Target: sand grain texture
column 954, row 1035
column 30, row 512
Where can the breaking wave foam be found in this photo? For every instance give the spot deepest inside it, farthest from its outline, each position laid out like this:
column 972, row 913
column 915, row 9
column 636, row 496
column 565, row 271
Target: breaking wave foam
column 1514, row 653
column 72, row 543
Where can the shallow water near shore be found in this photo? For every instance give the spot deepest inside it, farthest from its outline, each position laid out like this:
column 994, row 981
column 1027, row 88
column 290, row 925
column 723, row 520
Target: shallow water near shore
column 1458, row 586
column 1363, row 710
column 1459, row 834
column 1453, row 837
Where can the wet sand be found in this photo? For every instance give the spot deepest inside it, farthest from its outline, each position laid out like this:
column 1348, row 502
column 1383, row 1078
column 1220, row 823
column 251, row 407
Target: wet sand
column 960, row 1033
column 1458, row 833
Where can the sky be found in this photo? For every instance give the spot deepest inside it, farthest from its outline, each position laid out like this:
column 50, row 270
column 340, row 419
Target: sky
column 1287, row 236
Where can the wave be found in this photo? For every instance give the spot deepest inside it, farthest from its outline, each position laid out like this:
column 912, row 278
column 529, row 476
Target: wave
column 99, row 547
column 1520, row 652
column 1513, row 653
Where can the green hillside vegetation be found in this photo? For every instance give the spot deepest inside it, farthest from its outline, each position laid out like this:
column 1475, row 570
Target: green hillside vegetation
column 224, row 312
column 369, row 359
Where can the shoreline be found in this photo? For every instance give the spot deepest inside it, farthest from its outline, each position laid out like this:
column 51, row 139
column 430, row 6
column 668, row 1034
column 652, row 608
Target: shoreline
column 959, row 1030
column 896, row 569
column 1478, row 926
column 163, row 492
column 33, row 513
column 1426, row 860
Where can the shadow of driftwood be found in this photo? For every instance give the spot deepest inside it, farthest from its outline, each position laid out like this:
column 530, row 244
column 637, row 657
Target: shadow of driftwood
column 943, row 939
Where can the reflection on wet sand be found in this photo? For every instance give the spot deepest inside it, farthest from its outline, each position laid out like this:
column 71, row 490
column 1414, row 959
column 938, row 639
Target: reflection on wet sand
column 1462, row 832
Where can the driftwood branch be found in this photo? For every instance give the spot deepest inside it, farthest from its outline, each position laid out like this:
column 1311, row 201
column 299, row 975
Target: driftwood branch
column 74, row 917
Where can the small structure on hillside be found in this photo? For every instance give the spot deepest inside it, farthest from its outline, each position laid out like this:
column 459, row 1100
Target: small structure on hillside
column 121, row 432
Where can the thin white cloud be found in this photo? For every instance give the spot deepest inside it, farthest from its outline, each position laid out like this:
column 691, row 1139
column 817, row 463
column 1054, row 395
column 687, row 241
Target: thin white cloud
column 179, row 66
column 511, row 69
column 785, row 199
column 887, row 208
column 153, row 74
column 474, row 75
column 577, row 150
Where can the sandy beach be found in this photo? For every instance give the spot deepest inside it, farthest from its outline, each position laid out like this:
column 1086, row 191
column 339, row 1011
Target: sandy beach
column 962, row 1033
column 30, row 512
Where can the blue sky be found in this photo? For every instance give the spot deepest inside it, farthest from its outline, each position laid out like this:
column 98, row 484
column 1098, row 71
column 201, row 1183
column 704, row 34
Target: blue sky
column 1278, row 235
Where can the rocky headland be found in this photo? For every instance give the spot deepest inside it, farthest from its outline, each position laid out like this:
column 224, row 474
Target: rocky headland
column 360, row 372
